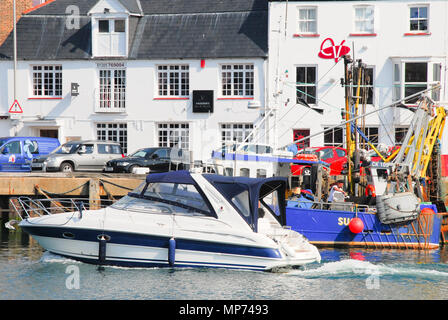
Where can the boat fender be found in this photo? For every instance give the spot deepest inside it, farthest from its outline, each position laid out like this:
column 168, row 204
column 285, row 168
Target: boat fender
column 356, row 225
column 287, row 249
column 11, row 223
column 171, row 251
column 79, row 205
column 102, row 250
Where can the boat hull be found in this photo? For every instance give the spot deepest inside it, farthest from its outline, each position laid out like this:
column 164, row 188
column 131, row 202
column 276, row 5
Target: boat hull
column 331, row 228
column 142, row 250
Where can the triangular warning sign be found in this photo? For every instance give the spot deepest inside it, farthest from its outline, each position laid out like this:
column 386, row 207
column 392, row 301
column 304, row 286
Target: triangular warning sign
column 15, row 108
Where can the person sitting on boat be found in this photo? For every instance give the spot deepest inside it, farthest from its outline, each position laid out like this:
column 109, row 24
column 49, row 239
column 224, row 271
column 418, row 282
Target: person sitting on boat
column 296, row 194
column 337, row 192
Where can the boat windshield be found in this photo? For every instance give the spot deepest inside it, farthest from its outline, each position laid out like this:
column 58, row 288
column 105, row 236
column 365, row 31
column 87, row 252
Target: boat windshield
column 271, row 203
column 158, row 197
column 241, row 201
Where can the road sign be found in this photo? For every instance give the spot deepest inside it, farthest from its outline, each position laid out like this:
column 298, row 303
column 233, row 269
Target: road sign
column 15, row 108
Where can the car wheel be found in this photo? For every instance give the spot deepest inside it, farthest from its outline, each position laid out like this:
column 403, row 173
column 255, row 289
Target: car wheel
column 306, row 171
column 132, row 168
column 66, row 167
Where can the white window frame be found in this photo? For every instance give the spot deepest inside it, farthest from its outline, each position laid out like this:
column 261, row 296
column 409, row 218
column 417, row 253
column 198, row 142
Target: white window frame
column 333, row 143
column 433, row 77
column 402, row 128
column 173, row 80
column 230, row 80
column 43, row 80
column 169, row 134
column 111, row 95
column 112, row 30
column 372, row 138
column 116, row 131
column 307, row 21
column 371, row 86
column 409, row 20
column 235, row 133
column 363, row 20
column 305, row 84
column 96, row 34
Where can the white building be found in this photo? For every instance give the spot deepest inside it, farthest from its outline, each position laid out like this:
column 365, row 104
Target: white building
column 403, row 43
column 144, row 73
column 131, row 70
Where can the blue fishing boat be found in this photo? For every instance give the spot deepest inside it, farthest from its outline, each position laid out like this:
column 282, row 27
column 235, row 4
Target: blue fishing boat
column 360, row 226
column 401, row 214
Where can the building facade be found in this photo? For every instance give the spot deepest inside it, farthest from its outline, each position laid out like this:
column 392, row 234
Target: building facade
column 144, row 73
column 404, row 45
column 202, row 73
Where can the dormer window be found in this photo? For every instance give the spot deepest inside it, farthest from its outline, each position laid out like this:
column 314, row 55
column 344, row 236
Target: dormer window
column 110, row 28
column 103, row 26
column 110, row 38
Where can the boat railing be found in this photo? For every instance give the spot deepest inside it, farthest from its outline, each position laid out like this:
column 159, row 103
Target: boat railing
column 332, row 206
column 26, row 207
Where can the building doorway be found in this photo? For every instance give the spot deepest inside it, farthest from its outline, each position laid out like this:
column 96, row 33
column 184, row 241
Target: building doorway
column 48, row 133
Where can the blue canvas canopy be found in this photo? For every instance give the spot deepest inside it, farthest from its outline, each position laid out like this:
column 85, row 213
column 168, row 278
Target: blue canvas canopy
column 229, row 187
column 257, row 188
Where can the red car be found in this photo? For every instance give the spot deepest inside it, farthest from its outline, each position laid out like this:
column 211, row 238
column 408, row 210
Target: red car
column 336, row 157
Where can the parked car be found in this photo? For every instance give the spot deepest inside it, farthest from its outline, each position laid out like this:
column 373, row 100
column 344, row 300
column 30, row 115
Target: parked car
column 336, row 157
column 89, row 155
column 156, row 159
column 16, row 153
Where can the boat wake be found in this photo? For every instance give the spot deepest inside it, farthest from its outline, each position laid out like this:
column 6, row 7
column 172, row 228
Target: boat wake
column 357, row 268
column 49, row 257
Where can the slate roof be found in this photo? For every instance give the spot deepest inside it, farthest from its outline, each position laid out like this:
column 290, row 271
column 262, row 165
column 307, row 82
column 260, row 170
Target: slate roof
column 162, row 29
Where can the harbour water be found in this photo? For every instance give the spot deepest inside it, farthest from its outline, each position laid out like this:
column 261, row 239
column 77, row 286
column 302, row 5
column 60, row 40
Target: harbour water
column 29, row 273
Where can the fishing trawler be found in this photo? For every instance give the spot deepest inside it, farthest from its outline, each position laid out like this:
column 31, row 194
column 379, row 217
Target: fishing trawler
column 389, row 203
column 386, row 207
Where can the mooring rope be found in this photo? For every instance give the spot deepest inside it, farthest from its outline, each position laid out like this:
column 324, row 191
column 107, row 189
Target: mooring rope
column 117, row 185
column 62, row 193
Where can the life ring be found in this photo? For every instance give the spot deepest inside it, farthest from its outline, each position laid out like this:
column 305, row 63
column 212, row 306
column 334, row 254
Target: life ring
column 370, row 190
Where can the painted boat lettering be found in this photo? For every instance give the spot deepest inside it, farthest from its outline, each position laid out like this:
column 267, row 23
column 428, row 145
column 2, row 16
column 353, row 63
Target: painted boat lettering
column 344, row 221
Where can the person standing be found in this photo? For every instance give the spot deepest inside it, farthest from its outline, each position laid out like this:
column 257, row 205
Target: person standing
column 337, row 192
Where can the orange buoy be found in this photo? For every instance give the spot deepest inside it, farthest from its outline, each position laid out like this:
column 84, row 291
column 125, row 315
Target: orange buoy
column 356, row 225
column 370, row 190
column 427, row 211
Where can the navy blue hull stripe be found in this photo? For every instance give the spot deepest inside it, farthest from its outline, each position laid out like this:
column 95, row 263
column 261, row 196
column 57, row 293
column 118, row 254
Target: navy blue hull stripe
column 138, row 239
column 160, row 264
column 134, row 262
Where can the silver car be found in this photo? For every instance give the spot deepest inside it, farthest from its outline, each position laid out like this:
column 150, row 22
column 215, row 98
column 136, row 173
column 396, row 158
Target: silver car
column 89, row 155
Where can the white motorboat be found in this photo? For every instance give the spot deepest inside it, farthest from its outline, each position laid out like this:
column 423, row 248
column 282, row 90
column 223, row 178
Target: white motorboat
column 181, row 219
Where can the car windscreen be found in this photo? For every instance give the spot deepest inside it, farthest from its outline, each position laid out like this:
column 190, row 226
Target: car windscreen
column 139, row 154
column 142, row 153
column 67, row 148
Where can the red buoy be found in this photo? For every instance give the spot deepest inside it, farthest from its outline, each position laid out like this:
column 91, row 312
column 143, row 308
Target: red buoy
column 356, row 225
